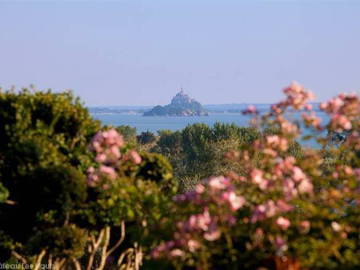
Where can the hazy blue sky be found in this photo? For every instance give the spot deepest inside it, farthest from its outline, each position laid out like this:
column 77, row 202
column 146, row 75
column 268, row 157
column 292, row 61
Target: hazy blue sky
column 140, row 52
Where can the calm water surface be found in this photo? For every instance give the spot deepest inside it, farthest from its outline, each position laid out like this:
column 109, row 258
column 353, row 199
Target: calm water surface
column 155, row 123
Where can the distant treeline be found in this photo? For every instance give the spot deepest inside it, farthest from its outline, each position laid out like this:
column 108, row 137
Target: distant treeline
column 197, row 151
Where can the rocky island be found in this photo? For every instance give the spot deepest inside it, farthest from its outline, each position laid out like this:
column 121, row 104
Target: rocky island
column 181, row 105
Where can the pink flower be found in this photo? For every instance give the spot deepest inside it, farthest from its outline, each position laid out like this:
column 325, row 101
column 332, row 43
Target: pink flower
column 91, row 170
column 298, row 174
column 311, row 120
column 348, row 170
column 297, row 96
column 288, row 127
column 257, row 178
column 193, row 245
column 323, row 106
column 277, row 142
column 305, row 186
column 283, row 206
column 212, row 235
column 135, row 157
column 357, row 173
column 283, row 223
column 332, row 106
column 289, row 188
column 219, row 182
column 336, row 226
column 92, row 179
column 108, row 171
column 204, row 220
column 340, row 122
column 270, row 152
column 262, row 211
column 280, row 244
column 199, row 188
column 113, row 137
column 115, row 152
column 235, row 201
column 162, row 248
column 304, row 226
column 176, row 253
column 100, row 158
column 275, row 108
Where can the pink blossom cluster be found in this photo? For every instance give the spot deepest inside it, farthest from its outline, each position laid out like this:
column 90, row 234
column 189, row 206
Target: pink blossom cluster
column 344, row 172
column 272, row 184
column 343, row 110
column 292, row 179
column 297, row 97
column 269, row 209
column 107, row 145
column 353, row 140
column 286, row 126
column 271, row 145
column 310, row 119
column 277, row 142
column 217, row 191
column 202, row 225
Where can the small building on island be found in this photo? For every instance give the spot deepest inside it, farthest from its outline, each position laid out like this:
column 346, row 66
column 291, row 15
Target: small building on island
column 181, row 105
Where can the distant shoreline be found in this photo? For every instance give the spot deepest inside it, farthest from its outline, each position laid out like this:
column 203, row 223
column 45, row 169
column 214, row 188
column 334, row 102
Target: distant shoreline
column 211, row 108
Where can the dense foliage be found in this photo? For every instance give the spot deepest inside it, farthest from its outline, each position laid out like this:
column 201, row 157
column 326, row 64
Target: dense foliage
column 43, row 137
column 52, row 206
column 281, row 211
column 75, row 195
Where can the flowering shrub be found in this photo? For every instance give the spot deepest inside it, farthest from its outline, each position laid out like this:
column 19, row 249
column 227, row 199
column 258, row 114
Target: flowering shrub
column 43, row 149
column 125, row 189
column 274, row 208
column 282, row 211
column 68, row 206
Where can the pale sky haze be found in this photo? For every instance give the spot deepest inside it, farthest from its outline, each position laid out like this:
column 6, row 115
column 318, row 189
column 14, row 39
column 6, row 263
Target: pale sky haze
column 132, row 52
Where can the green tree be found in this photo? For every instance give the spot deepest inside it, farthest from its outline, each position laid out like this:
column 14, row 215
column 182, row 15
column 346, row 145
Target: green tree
column 43, row 155
column 128, row 132
column 146, row 137
column 198, row 151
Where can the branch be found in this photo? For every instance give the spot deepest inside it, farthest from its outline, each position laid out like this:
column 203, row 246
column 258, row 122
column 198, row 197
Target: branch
column 119, row 242
column 105, row 246
column 39, row 259
column 19, row 257
column 122, row 256
column 10, row 202
column 138, row 256
column 76, row 264
column 60, row 264
column 94, row 249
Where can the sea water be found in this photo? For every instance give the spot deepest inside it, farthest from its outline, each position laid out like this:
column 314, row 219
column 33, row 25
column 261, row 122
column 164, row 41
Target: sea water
column 156, row 123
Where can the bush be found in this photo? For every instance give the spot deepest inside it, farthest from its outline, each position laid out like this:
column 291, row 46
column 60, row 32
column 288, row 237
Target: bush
column 63, row 204
column 283, row 211
column 43, row 154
